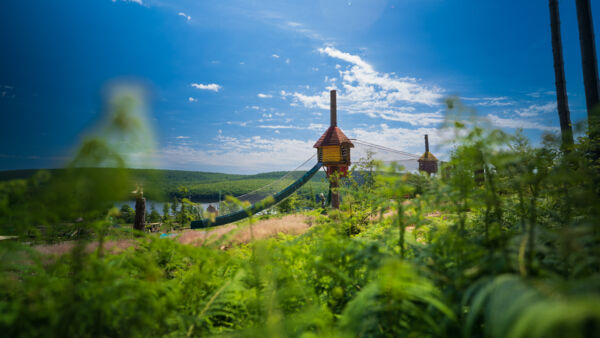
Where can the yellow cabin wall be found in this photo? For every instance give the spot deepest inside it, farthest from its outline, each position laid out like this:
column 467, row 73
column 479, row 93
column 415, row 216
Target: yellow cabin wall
column 331, row 154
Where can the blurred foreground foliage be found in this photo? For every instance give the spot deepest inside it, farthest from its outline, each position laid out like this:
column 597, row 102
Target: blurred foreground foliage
column 504, row 242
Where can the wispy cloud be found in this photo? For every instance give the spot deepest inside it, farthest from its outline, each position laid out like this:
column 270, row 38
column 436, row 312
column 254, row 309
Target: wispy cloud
column 211, row 86
column 491, row 101
column 536, row 109
column 363, row 90
column 278, row 127
column 192, row 99
column 405, row 139
column 182, row 137
column 238, row 123
column 7, row 92
column 139, row 2
column 317, row 127
column 275, row 56
column 239, row 154
column 264, row 96
column 187, row 17
column 540, row 93
column 500, row 122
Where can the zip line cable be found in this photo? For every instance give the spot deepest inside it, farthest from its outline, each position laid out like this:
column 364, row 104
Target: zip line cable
column 368, row 144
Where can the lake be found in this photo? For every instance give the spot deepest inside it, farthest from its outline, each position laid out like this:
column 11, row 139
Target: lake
column 159, row 205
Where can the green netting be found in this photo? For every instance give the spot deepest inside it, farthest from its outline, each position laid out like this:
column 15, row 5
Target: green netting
column 260, row 205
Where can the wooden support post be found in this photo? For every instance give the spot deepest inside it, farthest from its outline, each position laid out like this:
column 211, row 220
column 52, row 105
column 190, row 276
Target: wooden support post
column 140, row 212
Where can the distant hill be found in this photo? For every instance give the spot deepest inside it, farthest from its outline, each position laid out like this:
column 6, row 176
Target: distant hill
column 163, row 185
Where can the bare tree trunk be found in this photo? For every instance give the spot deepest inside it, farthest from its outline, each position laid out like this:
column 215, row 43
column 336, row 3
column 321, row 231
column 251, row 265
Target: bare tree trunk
column 140, row 213
column 559, row 73
column 589, row 64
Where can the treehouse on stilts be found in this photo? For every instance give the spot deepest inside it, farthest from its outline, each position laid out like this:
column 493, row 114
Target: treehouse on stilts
column 428, row 163
column 333, row 151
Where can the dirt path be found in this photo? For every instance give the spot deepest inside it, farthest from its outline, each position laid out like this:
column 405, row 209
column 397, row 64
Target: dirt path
column 289, row 224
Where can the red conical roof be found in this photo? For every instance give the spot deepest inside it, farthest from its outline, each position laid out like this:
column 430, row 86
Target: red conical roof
column 333, row 137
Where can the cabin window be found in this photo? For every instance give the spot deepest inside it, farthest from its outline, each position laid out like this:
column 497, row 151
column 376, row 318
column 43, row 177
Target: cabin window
column 345, row 156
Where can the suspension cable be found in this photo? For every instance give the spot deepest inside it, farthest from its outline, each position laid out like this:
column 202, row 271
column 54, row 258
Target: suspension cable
column 279, row 179
column 368, row 144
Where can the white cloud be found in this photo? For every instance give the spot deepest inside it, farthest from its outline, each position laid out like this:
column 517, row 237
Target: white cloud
column 192, row 99
column 236, row 123
column 287, row 61
column 187, row 17
column 242, row 155
column 536, row 109
column 211, row 86
column 500, row 122
column 275, row 56
column 492, row 101
column 182, row 137
column 400, row 139
column 354, row 59
column 362, row 90
column 294, row 24
column 317, row 127
column 260, row 154
column 139, row 2
column 312, row 101
column 407, row 115
column 278, row 127
column 264, row 96
column 539, row 93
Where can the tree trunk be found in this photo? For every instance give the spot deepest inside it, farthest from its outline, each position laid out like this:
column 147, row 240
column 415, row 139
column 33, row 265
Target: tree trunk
column 335, row 194
column 589, row 64
column 140, row 213
column 559, row 74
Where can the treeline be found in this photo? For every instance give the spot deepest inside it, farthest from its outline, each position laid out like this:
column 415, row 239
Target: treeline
column 164, row 185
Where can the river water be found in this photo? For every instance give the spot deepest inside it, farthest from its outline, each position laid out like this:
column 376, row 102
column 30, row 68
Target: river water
column 159, row 205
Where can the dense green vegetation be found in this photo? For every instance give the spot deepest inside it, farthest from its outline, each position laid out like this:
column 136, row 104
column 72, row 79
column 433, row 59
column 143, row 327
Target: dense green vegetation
column 504, row 243
column 163, row 185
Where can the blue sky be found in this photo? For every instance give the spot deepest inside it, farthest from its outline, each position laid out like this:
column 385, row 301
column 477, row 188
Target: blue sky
column 242, row 86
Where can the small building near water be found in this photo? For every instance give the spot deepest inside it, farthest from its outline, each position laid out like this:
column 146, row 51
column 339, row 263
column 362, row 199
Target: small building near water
column 212, row 210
